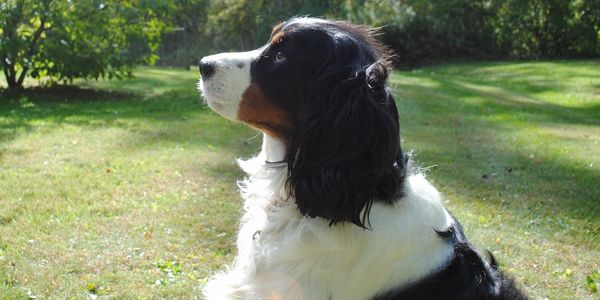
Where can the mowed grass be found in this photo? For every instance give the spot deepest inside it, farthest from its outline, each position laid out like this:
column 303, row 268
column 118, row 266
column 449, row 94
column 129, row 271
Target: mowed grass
column 124, row 189
column 127, row 189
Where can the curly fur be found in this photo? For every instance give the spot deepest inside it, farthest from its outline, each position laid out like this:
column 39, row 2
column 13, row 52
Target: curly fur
column 332, row 208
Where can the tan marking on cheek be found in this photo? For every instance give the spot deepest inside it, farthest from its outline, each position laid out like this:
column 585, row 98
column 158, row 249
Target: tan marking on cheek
column 258, row 112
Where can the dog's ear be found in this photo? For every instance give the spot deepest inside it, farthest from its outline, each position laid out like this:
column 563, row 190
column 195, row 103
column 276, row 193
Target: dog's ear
column 346, row 153
column 376, row 75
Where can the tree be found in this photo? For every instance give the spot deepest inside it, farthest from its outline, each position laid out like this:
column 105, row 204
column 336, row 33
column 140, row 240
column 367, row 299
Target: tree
column 63, row 40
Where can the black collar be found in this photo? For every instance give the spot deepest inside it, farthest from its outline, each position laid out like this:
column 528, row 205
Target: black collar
column 275, row 164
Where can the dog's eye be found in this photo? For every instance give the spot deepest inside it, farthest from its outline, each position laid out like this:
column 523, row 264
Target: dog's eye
column 279, row 57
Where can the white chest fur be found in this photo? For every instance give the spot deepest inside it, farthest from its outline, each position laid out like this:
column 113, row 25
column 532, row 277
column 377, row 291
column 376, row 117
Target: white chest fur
column 283, row 255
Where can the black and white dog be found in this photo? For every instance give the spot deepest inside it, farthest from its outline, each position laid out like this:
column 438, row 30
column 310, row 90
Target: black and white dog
column 333, row 209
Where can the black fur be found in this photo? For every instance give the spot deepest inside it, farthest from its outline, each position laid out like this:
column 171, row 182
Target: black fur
column 344, row 152
column 466, row 277
column 347, row 152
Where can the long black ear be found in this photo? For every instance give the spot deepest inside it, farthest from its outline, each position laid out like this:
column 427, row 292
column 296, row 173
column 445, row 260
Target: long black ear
column 346, row 154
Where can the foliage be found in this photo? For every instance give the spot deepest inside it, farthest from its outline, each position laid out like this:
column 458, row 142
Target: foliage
column 200, row 27
column 186, row 31
column 420, row 31
column 442, row 30
column 593, row 281
column 63, row 40
column 437, row 30
column 549, row 28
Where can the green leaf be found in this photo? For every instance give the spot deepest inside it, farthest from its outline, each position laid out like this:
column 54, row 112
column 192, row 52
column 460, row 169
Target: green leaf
column 592, row 281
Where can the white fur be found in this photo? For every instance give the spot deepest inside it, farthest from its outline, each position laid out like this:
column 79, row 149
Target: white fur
column 295, row 257
column 223, row 91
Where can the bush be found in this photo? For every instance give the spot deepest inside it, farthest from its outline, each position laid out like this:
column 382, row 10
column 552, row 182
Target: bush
column 420, row 31
column 63, row 40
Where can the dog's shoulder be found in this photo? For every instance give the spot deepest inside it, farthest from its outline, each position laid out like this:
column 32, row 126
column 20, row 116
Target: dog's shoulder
column 467, row 276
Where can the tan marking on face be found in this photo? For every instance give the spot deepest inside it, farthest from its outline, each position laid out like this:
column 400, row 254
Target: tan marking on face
column 277, row 38
column 258, row 112
column 277, row 28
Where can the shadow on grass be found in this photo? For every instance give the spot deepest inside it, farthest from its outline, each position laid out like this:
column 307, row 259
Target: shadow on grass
column 502, row 101
column 498, row 100
column 173, row 118
column 90, row 107
column 529, row 77
column 150, row 80
column 456, row 122
column 473, row 142
column 61, row 94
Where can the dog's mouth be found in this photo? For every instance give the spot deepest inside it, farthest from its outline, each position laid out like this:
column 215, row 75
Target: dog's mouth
column 207, row 92
column 225, row 78
column 212, row 93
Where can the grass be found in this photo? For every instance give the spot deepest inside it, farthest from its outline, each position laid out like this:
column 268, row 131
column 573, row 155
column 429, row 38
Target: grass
column 126, row 189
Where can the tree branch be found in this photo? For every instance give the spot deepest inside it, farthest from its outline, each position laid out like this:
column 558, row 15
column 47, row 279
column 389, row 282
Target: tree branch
column 9, row 72
column 5, row 69
column 31, row 49
column 10, row 27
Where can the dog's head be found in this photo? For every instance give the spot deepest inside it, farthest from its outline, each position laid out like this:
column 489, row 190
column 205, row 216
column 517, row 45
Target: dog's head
column 320, row 87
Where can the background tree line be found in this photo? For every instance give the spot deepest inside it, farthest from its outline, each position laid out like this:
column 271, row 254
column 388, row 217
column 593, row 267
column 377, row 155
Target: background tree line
column 59, row 40
column 420, row 31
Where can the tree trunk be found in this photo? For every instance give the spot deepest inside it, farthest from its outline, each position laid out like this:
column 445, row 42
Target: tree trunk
column 8, row 62
column 16, row 82
column 13, row 85
column 31, row 49
column 6, row 75
column 10, row 75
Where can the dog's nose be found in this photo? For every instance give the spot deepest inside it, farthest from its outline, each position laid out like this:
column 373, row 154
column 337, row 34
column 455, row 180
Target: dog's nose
column 207, row 69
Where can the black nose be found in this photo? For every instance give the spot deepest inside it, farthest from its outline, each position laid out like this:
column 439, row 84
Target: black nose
column 207, row 69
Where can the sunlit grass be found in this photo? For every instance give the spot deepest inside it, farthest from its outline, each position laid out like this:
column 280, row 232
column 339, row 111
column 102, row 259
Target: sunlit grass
column 100, row 190
column 127, row 189
column 516, row 149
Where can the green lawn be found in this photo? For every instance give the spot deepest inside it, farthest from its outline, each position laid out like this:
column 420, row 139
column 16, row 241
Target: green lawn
column 126, row 189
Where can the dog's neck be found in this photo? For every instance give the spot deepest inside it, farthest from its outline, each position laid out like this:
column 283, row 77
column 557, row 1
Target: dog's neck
column 273, row 150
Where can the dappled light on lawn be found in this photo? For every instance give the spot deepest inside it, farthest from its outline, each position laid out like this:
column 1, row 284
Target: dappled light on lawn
column 126, row 189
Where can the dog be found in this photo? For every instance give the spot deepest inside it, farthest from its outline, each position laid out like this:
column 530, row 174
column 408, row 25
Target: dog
column 333, row 207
